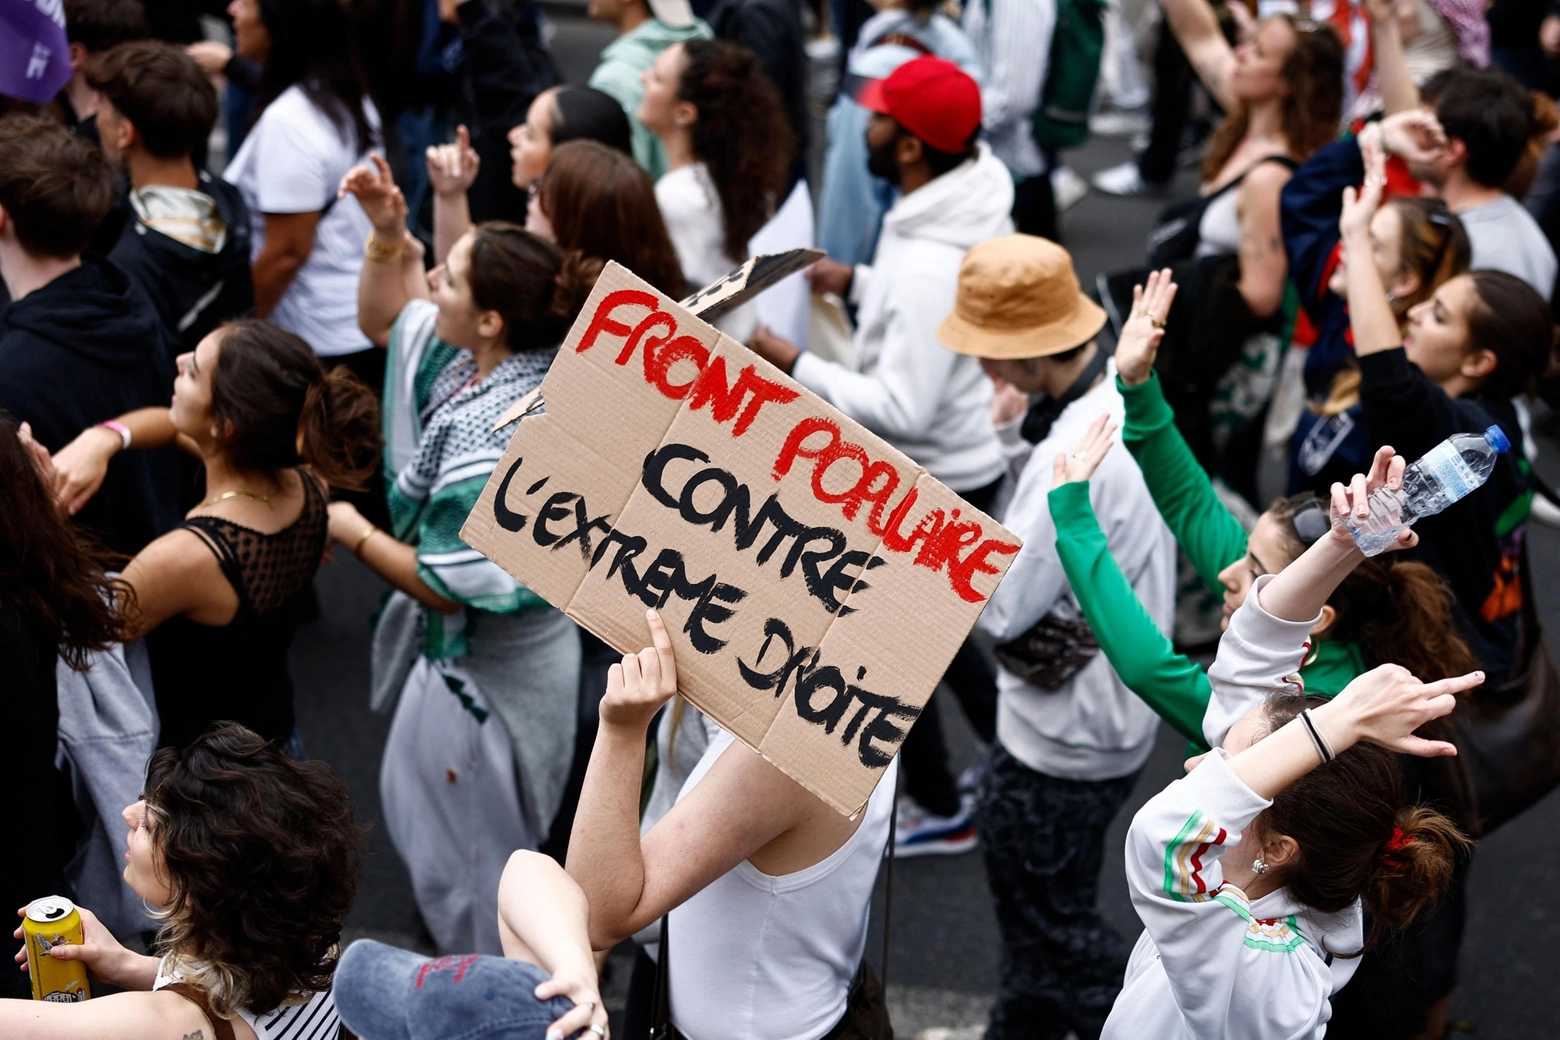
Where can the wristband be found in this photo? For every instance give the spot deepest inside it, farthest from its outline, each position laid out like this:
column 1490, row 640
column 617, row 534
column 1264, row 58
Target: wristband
column 1323, row 748
column 121, row 429
column 378, row 253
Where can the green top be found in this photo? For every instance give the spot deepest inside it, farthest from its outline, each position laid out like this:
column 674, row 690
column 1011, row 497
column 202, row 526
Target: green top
column 1175, row 686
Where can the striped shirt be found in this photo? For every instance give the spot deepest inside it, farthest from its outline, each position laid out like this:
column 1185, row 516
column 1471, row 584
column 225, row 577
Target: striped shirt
column 1012, row 38
column 316, row 1019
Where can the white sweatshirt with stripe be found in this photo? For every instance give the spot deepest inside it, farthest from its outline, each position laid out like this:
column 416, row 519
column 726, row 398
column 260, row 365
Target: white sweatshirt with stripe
column 1212, row 964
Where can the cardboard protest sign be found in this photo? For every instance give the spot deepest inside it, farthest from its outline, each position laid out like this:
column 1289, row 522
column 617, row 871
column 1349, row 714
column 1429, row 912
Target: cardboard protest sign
column 815, row 581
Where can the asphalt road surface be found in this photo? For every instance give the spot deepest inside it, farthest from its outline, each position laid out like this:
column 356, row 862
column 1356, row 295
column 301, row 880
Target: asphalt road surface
column 944, row 938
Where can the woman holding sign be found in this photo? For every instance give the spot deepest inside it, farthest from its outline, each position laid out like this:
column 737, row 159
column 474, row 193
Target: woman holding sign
column 487, row 672
column 764, row 889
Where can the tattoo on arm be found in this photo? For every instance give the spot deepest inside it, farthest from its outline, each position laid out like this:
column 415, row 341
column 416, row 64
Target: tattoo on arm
column 199, row 1034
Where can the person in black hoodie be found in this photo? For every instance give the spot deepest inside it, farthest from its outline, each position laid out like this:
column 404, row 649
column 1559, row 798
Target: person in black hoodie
column 187, row 242
column 81, row 344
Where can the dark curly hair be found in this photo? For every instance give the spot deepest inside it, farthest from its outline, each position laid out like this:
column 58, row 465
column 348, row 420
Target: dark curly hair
column 1314, row 72
column 741, row 134
column 262, row 857
column 51, row 580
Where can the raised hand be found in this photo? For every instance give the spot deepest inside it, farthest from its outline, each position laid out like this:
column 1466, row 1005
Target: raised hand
column 1360, row 205
column 1081, row 464
column 375, row 189
column 1387, row 704
column 1414, row 135
column 637, row 687
column 1386, row 471
column 1144, row 328
column 452, row 168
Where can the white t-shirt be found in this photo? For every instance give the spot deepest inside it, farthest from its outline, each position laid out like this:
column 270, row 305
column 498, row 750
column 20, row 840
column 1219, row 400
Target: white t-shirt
column 690, row 206
column 292, row 162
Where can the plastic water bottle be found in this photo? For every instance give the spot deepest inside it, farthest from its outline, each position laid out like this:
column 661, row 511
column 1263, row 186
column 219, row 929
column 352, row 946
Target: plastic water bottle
column 1447, row 472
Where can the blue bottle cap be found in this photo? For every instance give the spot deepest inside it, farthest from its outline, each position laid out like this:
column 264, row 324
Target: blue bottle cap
column 1497, row 438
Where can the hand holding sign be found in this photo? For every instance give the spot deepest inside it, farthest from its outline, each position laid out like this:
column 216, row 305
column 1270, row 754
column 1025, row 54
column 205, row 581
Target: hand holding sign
column 814, row 581
column 643, row 682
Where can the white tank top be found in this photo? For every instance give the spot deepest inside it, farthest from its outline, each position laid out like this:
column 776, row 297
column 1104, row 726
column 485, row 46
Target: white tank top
column 756, row 957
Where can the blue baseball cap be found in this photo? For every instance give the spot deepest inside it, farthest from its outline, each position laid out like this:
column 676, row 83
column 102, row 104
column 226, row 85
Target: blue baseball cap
column 385, row 993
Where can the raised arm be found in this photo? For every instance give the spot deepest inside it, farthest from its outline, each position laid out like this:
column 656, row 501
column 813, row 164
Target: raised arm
column 1398, row 91
column 741, row 805
column 1206, row 531
column 452, row 170
column 1201, row 925
column 392, row 270
column 1374, row 325
column 1196, row 29
column 1172, row 684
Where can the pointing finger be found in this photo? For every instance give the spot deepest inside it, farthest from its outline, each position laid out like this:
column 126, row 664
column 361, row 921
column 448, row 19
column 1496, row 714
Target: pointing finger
column 662, row 641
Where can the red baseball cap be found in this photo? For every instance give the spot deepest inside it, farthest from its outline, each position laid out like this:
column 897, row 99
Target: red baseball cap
column 933, row 99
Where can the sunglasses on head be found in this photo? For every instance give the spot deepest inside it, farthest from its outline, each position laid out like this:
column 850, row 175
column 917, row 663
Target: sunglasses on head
column 1311, row 521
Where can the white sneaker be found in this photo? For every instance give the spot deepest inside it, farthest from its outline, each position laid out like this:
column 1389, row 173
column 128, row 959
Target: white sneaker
column 1116, row 122
column 1068, row 188
column 1125, row 180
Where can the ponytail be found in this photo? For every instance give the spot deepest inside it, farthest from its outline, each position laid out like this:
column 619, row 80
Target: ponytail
column 1412, row 868
column 536, row 288
column 1400, row 612
column 338, row 433
column 1355, row 839
column 280, row 408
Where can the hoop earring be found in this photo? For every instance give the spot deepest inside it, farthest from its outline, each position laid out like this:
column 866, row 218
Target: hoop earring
column 1259, row 865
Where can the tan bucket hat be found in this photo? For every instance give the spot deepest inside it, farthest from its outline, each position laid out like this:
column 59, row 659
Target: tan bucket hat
column 1019, row 298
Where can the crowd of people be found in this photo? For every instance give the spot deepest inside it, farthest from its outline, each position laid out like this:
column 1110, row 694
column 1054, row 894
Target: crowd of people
column 231, row 352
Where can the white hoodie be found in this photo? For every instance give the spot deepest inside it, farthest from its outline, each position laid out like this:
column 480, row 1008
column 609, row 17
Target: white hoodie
column 1210, row 963
column 930, row 403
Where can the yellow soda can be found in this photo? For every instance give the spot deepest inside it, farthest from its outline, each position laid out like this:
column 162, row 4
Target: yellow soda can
column 53, row 921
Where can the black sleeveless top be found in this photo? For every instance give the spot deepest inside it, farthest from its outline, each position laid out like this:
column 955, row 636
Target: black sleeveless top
column 238, row 672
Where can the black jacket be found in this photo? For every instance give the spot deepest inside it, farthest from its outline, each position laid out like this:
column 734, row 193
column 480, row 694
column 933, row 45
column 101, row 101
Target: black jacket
column 84, row 348
column 1475, row 544
column 507, row 64
column 193, row 291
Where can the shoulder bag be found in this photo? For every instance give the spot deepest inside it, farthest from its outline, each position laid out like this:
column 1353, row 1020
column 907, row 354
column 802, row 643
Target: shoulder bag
column 1507, row 734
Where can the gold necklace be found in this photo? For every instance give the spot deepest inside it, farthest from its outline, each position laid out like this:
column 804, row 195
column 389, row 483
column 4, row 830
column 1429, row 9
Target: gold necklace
column 235, row 494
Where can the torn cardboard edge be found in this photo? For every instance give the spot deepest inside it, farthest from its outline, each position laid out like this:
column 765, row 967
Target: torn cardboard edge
column 821, row 684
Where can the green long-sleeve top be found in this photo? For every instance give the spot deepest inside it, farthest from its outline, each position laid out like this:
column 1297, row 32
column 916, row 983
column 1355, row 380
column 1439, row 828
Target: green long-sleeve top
column 1172, row 684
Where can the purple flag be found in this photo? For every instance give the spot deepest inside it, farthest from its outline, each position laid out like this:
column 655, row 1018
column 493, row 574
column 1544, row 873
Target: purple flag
column 34, row 54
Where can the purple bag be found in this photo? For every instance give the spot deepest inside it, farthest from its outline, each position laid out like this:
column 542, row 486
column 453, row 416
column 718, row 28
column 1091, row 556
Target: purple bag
column 34, row 54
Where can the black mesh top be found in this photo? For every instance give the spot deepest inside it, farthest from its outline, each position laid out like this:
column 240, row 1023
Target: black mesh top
column 238, row 672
